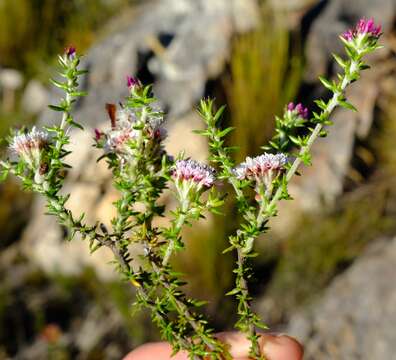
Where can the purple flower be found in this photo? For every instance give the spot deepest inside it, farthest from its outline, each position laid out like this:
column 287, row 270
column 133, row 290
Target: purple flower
column 299, row 110
column 133, row 81
column 194, row 172
column 363, row 28
column 70, row 52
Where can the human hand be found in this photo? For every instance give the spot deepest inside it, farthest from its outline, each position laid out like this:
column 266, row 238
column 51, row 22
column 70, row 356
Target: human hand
column 281, row 347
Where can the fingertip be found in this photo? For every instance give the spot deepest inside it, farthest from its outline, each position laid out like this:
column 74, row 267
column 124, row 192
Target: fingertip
column 281, row 347
column 157, row 351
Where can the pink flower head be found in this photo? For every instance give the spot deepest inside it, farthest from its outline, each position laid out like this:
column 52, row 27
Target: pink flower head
column 363, row 27
column 132, row 82
column 264, row 168
column 195, row 172
column 70, row 52
column 299, row 109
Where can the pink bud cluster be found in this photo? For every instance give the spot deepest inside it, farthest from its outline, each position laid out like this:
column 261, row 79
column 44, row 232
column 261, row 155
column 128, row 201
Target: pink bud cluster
column 263, row 169
column 195, row 172
column 298, row 109
column 133, row 82
column 363, row 28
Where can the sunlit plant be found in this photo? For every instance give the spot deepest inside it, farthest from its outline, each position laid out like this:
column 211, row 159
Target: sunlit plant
column 142, row 170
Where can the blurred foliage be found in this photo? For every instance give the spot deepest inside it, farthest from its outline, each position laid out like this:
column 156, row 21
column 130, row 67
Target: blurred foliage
column 209, row 272
column 325, row 245
column 36, row 307
column 33, row 31
column 14, row 212
column 265, row 74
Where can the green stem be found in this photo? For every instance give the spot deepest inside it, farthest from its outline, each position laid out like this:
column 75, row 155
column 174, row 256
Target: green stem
column 172, row 242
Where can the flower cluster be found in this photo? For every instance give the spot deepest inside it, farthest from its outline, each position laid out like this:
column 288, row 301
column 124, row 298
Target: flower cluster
column 30, row 146
column 193, row 171
column 117, row 139
column 297, row 110
column 263, row 169
column 136, row 129
column 192, row 177
column 364, row 29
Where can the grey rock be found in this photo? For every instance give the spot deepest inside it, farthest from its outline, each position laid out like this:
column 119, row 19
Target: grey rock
column 35, row 97
column 356, row 316
column 10, row 79
column 168, row 42
column 338, row 16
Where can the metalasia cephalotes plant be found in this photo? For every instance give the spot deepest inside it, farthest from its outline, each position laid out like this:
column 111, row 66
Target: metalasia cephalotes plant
column 142, row 170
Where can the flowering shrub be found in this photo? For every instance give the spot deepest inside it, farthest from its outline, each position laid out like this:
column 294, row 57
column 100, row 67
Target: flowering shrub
column 142, row 170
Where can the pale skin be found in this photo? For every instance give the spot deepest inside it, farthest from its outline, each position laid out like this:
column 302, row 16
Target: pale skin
column 274, row 347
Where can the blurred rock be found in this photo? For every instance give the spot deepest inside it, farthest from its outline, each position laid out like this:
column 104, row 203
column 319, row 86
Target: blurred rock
column 292, row 5
column 164, row 44
column 11, row 79
column 356, row 317
column 35, row 98
column 337, row 16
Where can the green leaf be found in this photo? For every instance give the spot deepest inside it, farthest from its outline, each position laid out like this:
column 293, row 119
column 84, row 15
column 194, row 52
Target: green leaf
column 57, row 108
column 339, row 61
column 233, row 292
column 225, row 131
column 326, row 83
column 79, row 93
column 347, row 105
column 219, row 113
column 59, row 84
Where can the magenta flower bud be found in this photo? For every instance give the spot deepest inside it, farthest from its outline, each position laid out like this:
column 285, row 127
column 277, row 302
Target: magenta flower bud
column 368, row 27
column 70, row 52
column 302, row 111
column 132, row 82
column 363, row 28
column 98, row 134
column 291, row 106
column 298, row 109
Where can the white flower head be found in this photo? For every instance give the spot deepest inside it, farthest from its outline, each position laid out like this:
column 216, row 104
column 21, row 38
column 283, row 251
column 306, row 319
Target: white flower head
column 194, row 173
column 263, row 169
column 130, row 125
column 259, row 166
column 29, row 146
